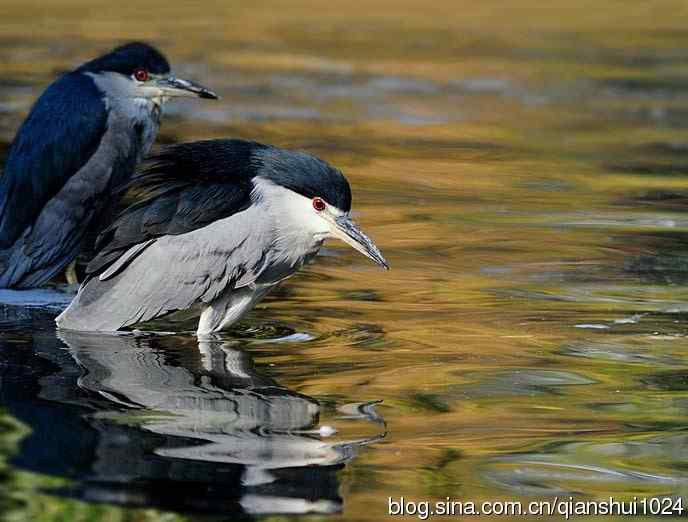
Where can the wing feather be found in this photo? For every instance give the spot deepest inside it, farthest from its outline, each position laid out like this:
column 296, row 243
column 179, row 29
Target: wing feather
column 172, row 273
column 61, row 133
column 189, row 235
column 173, row 196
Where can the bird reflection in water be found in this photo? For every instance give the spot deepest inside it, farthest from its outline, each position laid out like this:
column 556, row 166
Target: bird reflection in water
column 189, row 426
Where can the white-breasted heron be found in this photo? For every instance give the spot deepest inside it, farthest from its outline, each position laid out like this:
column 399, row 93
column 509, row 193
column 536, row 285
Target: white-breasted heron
column 215, row 225
column 82, row 139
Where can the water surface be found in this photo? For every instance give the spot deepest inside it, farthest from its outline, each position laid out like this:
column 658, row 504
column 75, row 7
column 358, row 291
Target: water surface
column 523, row 170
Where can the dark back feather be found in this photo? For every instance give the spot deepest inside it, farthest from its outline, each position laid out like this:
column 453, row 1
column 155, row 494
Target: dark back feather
column 183, row 188
column 61, row 133
column 191, row 185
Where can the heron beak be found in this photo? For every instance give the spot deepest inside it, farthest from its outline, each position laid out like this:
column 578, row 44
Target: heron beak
column 346, row 230
column 172, row 86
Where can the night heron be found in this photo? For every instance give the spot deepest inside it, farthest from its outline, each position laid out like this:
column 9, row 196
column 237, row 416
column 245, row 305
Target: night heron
column 215, row 226
column 81, row 140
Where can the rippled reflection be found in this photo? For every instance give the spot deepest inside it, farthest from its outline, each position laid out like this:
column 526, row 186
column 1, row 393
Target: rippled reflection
column 174, row 423
column 572, row 468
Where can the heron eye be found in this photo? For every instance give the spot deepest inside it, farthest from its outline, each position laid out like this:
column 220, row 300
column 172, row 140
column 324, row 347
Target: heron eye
column 318, row 204
column 141, row 75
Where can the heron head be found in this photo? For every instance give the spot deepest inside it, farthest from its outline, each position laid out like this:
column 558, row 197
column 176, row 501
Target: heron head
column 317, row 199
column 138, row 70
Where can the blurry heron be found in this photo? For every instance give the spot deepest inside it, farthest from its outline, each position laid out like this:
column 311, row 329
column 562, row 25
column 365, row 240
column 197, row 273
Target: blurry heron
column 81, row 140
column 216, row 225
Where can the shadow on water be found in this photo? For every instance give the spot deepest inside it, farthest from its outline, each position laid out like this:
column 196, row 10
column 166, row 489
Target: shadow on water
column 170, row 422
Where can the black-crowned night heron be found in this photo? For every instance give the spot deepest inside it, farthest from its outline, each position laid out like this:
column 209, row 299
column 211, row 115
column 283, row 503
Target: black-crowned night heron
column 216, row 225
column 81, row 140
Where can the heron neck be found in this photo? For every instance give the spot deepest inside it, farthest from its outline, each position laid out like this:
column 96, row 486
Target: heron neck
column 298, row 233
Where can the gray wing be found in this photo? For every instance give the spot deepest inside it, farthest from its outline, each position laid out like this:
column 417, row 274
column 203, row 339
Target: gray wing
column 171, row 273
column 57, row 139
column 42, row 222
column 55, row 238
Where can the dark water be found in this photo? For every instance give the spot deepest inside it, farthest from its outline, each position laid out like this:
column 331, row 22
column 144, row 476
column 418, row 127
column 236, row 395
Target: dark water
column 524, row 171
column 177, row 424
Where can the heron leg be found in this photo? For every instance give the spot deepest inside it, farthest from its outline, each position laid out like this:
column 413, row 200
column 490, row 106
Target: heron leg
column 220, row 356
column 227, row 309
column 70, row 273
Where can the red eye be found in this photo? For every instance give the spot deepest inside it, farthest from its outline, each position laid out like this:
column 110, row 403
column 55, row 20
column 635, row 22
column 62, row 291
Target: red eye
column 141, row 74
column 318, row 204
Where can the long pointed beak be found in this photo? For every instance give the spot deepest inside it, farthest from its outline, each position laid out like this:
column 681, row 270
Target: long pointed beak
column 172, row 86
column 346, row 230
